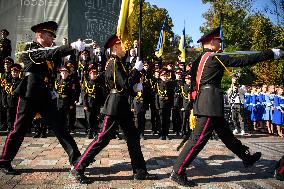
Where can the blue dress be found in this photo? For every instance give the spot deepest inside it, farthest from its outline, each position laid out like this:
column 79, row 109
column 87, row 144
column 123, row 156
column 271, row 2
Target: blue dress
column 267, row 104
column 277, row 115
column 256, row 113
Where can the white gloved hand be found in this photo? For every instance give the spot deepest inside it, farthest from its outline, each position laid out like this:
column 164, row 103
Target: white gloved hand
column 277, row 53
column 138, row 65
column 78, row 45
column 138, row 87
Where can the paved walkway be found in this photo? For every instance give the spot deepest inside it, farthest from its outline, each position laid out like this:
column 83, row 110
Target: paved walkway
column 43, row 164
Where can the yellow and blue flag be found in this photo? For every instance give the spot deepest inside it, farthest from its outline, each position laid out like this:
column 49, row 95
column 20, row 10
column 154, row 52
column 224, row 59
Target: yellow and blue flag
column 161, row 42
column 125, row 23
column 182, row 46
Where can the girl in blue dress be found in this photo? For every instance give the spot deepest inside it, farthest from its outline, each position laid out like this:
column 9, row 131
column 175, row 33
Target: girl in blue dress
column 268, row 104
column 278, row 111
column 256, row 107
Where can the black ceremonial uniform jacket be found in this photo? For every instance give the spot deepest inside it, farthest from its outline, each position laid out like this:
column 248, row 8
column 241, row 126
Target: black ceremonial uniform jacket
column 116, row 103
column 165, row 90
column 65, row 89
column 187, row 104
column 40, row 68
column 209, row 99
column 93, row 94
column 5, row 48
column 11, row 85
column 178, row 93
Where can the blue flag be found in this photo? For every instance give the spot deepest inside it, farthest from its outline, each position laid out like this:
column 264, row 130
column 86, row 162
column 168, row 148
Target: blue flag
column 221, row 34
column 161, row 42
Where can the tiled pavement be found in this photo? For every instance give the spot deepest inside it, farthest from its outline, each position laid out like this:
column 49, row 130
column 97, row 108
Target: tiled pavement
column 43, row 164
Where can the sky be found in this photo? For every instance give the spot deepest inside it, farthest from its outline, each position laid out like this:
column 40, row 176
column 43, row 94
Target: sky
column 191, row 11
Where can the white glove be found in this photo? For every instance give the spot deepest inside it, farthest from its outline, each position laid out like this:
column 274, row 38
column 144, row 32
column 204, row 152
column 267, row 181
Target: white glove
column 138, row 87
column 138, row 65
column 78, row 45
column 277, row 53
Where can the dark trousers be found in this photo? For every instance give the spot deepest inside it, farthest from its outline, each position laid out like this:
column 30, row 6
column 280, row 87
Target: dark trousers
column 64, row 113
column 140, row 122
column 155, row 120
column 109, row 126
column 3, row 117
column 72, row 117
column 11, row 116
column 92, row 119
column 185, row 121
column 26, row 111
column 199, row 137
column 176, row 119
column 165, row 117
column 238, row 116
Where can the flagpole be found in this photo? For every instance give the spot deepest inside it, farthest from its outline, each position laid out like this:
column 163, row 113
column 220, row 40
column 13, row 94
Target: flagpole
column 140, row 29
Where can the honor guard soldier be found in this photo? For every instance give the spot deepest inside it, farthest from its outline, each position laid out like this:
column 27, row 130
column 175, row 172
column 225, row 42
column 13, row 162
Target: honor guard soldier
column 187, row 106
column 11, row 99
column 83, row 65
column 139, row 108
column 35, row 96
column 65, row 89
column 93, row 99
column 165, row 90
column 155, row 118
column 176, row 111
column 117, row 113
column 5, row 76
column 5, row 48
column 207, row 72
column 77, row 91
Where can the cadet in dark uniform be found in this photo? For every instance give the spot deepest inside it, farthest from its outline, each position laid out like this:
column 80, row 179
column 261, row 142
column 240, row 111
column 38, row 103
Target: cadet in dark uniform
column 155, row 118
column 92, row 101
column 77, row 91
column 117, row 112
column 187, row 106
column 6, row 76
column 36, row 97
column 165, row 90
column 65, row 89
column 176, row 111
column 11, row 98
column 207, row 72
column 139, row 109
column 5, row 48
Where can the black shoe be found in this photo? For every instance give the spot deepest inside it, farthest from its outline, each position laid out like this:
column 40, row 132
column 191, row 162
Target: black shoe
column 8, row 169
column 43, row 135
column 80, row 176
column 168, row 138
column 252, row 159
column 141, row 175
column 181, row 179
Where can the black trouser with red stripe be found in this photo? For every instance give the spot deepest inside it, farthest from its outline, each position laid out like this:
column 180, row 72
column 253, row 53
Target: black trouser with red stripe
column 109, row 126
column 26, row 111
column 200, row 136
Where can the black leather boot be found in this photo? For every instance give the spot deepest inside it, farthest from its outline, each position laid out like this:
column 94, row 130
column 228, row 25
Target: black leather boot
column 182, row 179
column 250, row 160
column 79, row 176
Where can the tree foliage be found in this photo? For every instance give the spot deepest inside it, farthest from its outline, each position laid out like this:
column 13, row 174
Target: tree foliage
column 247, row 30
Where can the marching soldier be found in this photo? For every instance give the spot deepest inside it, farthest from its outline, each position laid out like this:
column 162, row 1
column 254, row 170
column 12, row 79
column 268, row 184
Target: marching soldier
column 35, row 96
column 176, row 111
column 117, row 113
column 165, row 90
column 93, row 99
column 65, row 89
column 207, row 72
column 5, row 48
